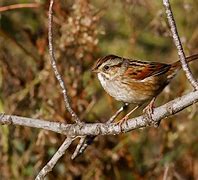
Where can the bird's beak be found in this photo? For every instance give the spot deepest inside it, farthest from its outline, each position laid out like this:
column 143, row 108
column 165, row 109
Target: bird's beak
column 94, row 70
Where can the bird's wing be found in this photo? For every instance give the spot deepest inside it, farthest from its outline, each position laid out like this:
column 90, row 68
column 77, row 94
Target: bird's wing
column 140, row 70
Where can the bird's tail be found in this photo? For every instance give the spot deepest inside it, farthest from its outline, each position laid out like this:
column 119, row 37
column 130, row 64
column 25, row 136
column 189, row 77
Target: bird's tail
column 177, row 65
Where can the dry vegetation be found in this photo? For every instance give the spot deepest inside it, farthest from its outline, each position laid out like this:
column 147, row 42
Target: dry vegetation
column 85, row 30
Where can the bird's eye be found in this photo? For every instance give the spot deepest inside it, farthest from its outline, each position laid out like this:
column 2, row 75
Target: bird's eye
column 106, row 67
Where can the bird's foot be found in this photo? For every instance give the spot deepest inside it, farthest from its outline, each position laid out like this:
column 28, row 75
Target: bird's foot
column 122, row 121
column 126, row 117
column 148, row 110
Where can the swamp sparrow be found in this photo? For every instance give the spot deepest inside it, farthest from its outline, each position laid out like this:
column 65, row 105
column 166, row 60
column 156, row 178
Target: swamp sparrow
column 135, row 81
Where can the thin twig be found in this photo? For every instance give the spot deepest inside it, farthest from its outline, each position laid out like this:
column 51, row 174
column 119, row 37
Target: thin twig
column 55, row 69
column 19, row 6
column 165, row 177
column 79, row 147
column 49, row 166
column 178, row 44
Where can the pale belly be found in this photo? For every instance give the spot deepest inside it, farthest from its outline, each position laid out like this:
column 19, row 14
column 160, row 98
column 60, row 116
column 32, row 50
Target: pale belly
column 122, row 93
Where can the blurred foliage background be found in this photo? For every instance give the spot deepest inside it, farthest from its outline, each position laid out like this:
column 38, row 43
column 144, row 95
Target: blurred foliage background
column 84, row 31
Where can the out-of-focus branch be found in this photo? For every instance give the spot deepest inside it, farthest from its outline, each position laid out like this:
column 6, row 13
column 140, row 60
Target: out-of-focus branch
column 11, row 38
column 178, row 44
column 55, row 69
column 49, row 166
column 84, row 129
column 19, row 6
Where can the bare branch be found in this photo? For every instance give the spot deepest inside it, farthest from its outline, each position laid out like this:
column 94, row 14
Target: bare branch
column 178, row 44
column 19, row 6
column 30, row 122
column 84, row 129
column 61, row 151
column 49, row 166
column 55, row 69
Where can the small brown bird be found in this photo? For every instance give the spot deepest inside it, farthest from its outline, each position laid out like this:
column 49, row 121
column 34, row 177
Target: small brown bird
column 135, row 81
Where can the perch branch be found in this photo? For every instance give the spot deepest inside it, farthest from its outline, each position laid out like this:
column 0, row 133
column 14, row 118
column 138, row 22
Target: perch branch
column 178, row 44
column 84, row 129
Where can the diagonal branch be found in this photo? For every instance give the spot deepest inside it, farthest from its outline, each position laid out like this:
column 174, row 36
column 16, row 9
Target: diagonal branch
column 49, row 166
column 178, row 44
column 55, row 69
column 84, row 129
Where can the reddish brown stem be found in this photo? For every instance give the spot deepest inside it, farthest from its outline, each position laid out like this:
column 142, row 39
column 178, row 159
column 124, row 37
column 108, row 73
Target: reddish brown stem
column 19, row 6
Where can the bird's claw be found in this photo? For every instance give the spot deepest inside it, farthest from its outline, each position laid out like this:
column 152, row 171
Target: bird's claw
column 148, row 110
column 122, row 121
